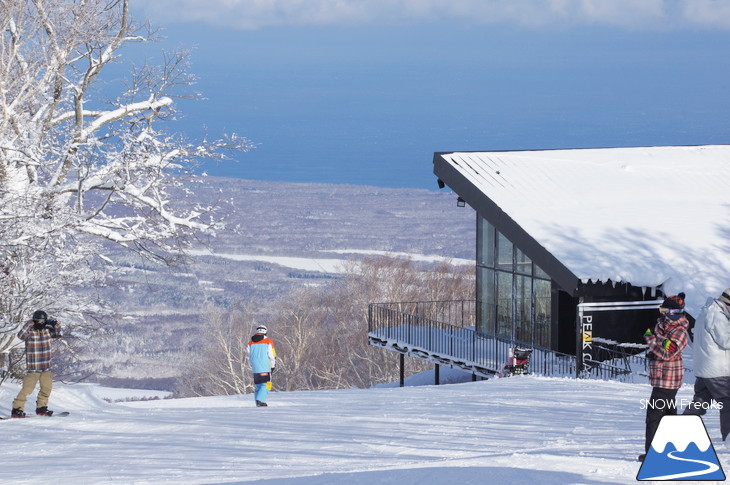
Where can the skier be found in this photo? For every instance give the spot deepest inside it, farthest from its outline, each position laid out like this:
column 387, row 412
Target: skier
column 262, row 357
column 666, row 343
column 37, row 334
column 712, row 361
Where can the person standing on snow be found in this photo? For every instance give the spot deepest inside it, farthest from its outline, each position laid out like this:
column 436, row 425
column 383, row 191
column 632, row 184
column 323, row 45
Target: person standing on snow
column 262, row 357
column 711, row 350
column 37, row 334
column 666, row 343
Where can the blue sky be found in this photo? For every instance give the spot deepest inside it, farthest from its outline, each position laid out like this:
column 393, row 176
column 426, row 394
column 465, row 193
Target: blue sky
column 364, row 92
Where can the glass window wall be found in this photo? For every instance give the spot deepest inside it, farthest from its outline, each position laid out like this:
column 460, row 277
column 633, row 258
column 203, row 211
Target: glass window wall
column 513, row 293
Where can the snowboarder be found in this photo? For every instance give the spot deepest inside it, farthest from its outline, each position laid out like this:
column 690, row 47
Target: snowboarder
column 711, row 348
column 37, row 334
column 666, row 342
column 262, row 357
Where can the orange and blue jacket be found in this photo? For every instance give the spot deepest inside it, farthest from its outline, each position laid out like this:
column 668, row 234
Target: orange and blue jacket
column 261, row 354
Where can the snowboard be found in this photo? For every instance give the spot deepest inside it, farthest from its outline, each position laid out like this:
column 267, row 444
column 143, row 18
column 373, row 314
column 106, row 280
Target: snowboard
column 60, row 415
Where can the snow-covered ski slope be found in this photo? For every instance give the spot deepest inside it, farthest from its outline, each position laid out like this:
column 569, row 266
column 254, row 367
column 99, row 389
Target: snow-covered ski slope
column 517, row 430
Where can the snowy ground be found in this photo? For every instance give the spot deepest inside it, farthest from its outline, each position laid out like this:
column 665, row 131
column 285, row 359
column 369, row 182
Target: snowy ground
column 503, row 431
column 328, row 265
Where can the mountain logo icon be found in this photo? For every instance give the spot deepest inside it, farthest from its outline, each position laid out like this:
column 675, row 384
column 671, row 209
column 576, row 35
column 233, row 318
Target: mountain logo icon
column 681, row 450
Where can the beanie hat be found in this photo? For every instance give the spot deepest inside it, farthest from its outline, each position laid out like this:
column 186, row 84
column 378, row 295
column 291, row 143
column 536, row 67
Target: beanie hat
column 725, row 297
column 39, row 315
column 673, row 304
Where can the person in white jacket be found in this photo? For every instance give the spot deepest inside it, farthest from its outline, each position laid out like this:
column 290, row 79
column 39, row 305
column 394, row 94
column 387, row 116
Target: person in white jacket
column 711, row 350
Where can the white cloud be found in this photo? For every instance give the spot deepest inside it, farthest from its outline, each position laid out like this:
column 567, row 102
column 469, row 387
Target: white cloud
column 714, row 13
column 252, row 14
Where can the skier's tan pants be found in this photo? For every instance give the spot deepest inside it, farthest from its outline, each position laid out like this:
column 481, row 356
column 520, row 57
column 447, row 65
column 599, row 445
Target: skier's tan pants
column 29, row 383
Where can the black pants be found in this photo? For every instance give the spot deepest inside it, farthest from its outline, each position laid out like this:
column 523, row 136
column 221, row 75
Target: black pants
column 708, row 389
column 661, row 403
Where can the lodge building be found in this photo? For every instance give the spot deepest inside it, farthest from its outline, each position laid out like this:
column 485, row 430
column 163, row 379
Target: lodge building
column 575, row 249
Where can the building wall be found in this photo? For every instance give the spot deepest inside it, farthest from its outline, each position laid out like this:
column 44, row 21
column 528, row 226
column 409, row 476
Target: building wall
column 622, row 326
column 518, row 300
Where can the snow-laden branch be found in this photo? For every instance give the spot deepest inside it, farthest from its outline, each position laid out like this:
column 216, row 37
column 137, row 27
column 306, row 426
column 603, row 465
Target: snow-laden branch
column 120, row 113
column 69, row 115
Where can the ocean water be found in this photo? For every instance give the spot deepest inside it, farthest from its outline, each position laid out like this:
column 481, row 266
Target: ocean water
column 371, row 106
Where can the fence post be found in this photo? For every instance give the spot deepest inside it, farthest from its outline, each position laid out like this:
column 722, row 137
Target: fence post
column 451, row 341
column 473, row 355
column 402, row 370
column 409, row 327
column 370, row 317
column 578, row 342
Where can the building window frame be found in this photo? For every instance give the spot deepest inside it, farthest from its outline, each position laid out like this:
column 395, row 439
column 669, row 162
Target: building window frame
column 504, row 272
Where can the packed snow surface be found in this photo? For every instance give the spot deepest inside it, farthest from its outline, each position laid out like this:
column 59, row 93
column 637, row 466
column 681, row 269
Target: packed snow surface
column 515, row 430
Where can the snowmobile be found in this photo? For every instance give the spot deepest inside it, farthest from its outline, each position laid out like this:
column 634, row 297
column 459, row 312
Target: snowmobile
column 518, row 362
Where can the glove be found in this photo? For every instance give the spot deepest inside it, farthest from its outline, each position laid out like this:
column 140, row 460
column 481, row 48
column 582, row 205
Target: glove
column 669, row 346
column 272, row 370
column 648, row 333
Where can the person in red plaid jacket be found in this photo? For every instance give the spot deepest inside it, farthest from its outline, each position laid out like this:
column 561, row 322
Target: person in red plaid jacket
column 666, row 342
column 37, row 334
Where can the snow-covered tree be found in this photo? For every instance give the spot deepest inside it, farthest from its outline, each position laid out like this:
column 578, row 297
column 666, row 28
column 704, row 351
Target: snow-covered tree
column 81, row 170
column 320, row 332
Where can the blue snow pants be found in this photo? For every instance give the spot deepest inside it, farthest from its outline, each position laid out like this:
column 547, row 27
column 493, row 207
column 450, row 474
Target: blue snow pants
column 262, row 390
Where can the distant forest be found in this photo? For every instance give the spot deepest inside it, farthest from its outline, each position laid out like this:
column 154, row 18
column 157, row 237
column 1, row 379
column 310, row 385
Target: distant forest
column 161, row 325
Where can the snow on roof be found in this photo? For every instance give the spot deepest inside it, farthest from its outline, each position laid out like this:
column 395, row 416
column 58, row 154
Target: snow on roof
column 647, row 216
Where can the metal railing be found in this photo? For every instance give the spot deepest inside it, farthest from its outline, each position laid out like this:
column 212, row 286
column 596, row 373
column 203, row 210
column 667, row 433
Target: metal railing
column 416, row 328
column 444, row 332
column 457, row 313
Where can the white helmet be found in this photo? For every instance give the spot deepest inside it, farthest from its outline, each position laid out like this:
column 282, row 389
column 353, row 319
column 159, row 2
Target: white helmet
column 261, row 329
